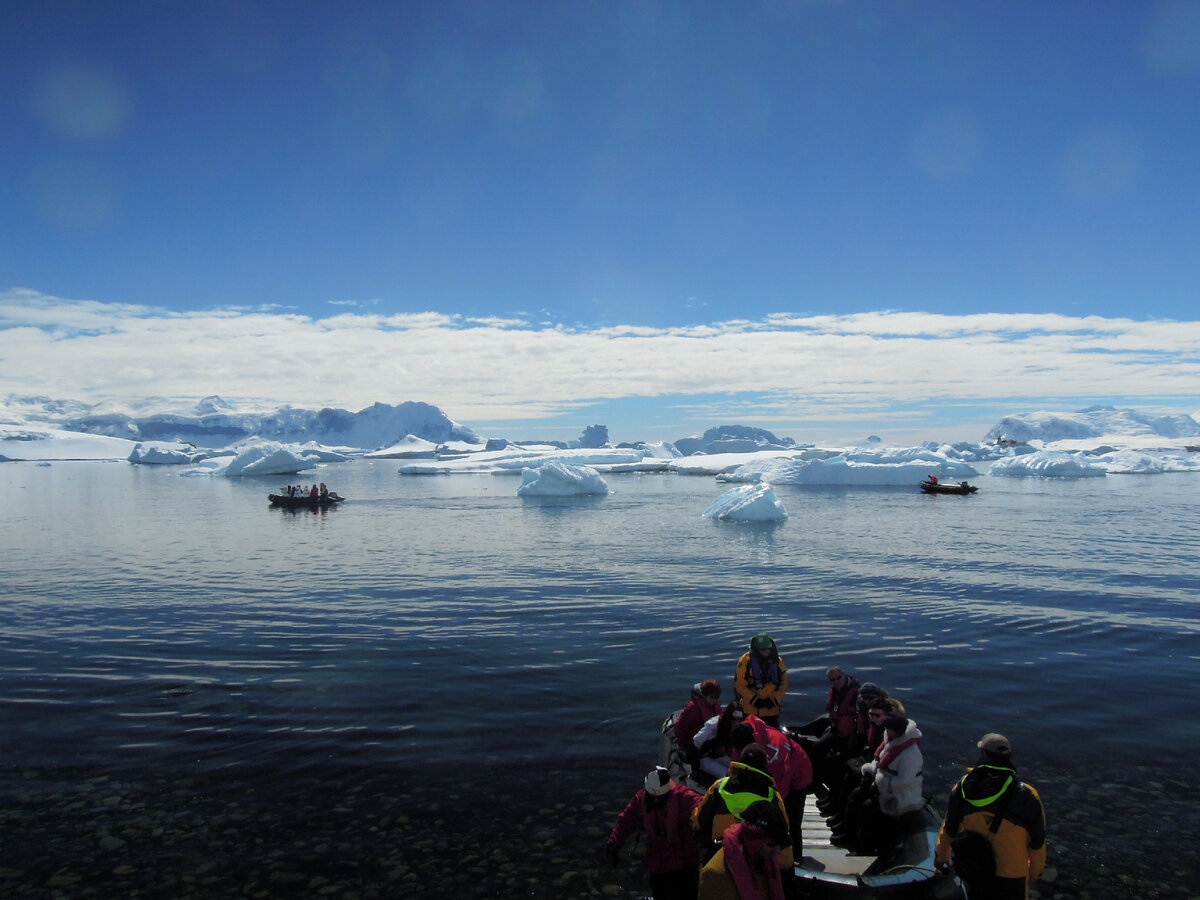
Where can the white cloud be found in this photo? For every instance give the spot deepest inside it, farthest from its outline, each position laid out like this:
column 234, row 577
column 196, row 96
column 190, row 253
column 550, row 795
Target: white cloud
column 855, row 367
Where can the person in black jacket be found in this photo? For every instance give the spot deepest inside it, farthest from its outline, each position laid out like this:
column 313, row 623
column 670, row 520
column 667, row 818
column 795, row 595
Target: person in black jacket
column 995, row 827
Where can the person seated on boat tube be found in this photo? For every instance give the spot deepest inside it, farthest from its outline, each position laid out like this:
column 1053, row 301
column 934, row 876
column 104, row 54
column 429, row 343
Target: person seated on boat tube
column 324, row 491
column 859, row 786
column 896, row 781
column 663, row 809
column 729, row 797
column 933, row 479
column 876, row 706
column 747, row 866
column 787, row 763
column 714, row 743
column 989, row 792
column 839, row 740
column 868, row 734
column 762, row 679
column 705, row 704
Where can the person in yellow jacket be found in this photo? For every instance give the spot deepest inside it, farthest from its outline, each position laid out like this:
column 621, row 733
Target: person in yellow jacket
column 747, row 782
column 995, row 827
column 762, row 679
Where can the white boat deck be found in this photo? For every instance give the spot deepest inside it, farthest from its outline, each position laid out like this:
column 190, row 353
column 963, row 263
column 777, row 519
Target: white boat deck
column 819, row 854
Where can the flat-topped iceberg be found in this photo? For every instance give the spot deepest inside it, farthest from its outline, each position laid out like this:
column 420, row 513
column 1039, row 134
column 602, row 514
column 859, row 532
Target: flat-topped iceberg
column 1048, row 464
column 749, row 503
column 21, row 443
column 557, row 479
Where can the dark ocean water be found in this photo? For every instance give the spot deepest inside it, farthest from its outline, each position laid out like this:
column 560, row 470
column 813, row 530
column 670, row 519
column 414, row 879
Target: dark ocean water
column 441, row 687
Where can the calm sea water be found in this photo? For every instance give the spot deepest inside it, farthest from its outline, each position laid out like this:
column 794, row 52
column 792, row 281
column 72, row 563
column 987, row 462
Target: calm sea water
column 440, row 686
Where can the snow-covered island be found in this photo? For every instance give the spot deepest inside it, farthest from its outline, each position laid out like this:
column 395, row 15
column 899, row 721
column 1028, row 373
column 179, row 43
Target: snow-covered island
column 212, row 438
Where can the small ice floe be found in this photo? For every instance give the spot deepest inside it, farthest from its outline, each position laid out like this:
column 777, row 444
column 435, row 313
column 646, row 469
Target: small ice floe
column 749, row 503
column 167, row 453
column 1048, row 464
column 557, row 479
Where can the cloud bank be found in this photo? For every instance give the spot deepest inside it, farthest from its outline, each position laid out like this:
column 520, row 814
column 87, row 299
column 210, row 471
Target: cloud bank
column 872, row 366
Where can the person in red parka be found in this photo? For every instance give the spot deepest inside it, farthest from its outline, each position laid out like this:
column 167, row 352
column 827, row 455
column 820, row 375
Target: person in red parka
column 705, row 703
column 663, row 808
column 787, row 763
column 840, row 741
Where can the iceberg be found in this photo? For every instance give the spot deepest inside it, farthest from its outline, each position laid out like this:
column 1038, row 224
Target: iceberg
column 213, row 422
column 749, row 503
column 1139, row 462
column 722, row 463
column 514, row 459
column 268, row 458
column 1091, row 423
column 408, row 447
column 167, row 453
column 557, row 479
column 21, row 443
column 841, row 470
column 1048, row 464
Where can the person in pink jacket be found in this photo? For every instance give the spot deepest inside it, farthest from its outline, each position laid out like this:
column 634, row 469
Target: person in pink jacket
column 663, row 809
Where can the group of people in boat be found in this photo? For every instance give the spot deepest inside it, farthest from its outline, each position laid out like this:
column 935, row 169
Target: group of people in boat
column 311, row 492
column 862, row 761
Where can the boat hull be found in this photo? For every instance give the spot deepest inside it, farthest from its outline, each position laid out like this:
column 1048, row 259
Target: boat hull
column 285, row 502
column 961, row 489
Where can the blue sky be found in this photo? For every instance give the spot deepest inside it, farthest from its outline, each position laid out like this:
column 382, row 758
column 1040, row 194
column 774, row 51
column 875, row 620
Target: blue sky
column 655, row 216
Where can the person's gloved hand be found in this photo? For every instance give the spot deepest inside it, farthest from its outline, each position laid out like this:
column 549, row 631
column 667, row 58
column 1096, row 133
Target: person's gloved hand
column 610, row 852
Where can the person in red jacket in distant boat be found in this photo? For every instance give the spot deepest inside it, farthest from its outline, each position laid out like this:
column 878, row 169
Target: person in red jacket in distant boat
column 663, row 808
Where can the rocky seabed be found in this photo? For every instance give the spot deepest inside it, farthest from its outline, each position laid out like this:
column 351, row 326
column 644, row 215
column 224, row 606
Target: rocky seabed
column 64, row 836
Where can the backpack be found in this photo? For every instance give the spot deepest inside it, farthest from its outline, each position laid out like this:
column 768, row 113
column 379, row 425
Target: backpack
column 973, row 855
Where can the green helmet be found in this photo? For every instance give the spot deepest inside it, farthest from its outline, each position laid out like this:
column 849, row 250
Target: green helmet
column 762, row 641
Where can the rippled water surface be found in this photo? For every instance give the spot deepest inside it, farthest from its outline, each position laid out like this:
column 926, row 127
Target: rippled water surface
column 442, row 686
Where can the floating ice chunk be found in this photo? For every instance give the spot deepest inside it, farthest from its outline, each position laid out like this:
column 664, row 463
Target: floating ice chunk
column 557, row 479
column 1048, row 464
column 749, row 503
